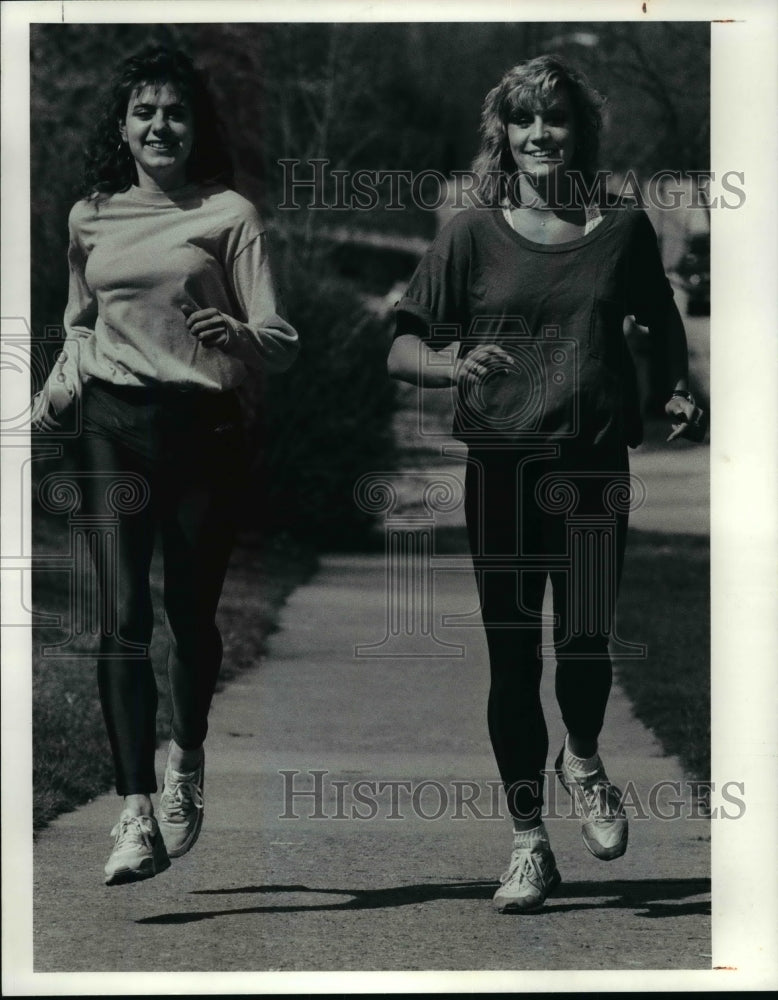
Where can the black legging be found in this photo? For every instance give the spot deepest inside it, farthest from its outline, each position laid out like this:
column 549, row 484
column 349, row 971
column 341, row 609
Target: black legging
column 530, row 514
column 186, row 452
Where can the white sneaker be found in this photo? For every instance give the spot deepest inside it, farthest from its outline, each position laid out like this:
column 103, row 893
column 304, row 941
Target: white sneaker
column 604, row 825
column 530, row 878
column 181, row 808
column 139, row 851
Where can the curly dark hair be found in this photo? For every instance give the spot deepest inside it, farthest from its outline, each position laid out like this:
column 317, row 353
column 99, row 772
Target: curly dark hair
column 108, row 163
column 529, row 86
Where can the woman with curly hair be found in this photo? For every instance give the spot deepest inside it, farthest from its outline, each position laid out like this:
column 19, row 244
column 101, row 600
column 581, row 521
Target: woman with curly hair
column 533, row 288
column 171, row 307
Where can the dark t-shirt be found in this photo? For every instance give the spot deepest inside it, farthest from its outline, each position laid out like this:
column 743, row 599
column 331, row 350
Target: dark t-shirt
column 558, row 309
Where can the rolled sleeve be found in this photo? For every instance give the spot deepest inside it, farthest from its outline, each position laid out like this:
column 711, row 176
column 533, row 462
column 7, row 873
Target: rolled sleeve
column 435, row 304
column 649, row 292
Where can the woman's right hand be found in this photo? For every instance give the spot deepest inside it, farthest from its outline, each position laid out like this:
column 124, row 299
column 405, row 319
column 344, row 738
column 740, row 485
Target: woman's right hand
column 688, row 420
column 42, row 418
column 486, row 359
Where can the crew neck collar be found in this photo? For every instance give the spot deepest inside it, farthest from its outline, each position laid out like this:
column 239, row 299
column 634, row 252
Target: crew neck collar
column 590, row 237
column 150, row 197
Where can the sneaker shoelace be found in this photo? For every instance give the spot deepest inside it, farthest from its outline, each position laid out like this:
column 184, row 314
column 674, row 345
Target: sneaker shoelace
column 525, row 866
column 181, row 797
column 132, row 829
column 601, row 798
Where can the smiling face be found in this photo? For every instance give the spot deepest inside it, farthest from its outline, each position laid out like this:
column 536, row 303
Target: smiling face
column 542, row 140
column 159, row 130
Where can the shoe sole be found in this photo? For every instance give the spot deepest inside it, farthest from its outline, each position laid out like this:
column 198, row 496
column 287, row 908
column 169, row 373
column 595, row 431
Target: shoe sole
column 147, row 869
column 599, row 852
column 517, row 907
column 605, row 853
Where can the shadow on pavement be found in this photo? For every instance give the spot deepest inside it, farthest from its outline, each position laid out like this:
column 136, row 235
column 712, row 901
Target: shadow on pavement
column 645, row 897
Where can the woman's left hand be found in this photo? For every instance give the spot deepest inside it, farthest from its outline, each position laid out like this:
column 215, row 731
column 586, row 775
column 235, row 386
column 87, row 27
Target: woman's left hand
column 208, row 325
column 688, row 420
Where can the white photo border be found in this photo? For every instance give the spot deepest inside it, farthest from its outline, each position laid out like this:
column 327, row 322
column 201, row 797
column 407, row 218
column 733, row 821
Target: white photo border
column 744, row 504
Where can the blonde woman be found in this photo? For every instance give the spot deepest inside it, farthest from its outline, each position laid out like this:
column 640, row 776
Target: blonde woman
column 534, row 286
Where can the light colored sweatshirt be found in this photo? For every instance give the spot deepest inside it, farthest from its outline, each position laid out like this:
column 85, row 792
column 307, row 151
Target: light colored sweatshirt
column 135, row 259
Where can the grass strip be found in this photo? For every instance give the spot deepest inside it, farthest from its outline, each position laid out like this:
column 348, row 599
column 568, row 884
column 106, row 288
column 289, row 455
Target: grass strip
column 71, row 755
column 665, row 603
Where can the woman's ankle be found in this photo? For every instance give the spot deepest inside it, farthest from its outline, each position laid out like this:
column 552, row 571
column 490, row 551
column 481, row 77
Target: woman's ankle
column 138, row 804
column 184, row 760
column 529, row 836
column 527, row 825
column 584, row 748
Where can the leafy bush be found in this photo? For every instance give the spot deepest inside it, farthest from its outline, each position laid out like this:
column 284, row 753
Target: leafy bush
column 325, row 422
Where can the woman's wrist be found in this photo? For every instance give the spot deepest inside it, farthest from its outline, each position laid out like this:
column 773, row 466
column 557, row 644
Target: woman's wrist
column 439, row 369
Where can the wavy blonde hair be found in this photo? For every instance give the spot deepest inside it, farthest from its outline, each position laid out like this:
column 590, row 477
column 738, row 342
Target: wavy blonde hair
column 530, row 86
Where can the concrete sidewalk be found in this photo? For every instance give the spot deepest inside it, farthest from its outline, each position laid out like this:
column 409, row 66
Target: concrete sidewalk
column 265, row 891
